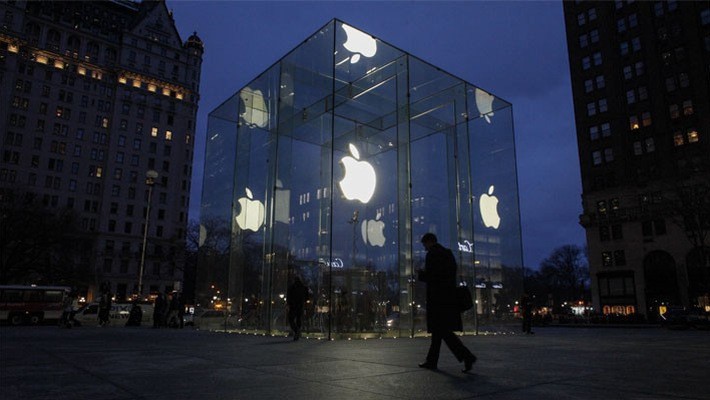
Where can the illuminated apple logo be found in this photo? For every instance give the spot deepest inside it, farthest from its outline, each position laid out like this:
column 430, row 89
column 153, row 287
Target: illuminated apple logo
column 251, row 215
column 484, row 102
column 373, row 231
column 488, row 204
column 359, row 180
column 256, row 114
column 360, row 43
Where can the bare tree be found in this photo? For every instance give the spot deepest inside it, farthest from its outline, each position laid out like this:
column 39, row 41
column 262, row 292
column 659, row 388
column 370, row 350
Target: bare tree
column 566, row 273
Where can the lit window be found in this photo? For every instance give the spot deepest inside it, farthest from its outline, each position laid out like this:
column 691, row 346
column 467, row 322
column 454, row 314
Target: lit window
column 646, row 118
column 601, row 206
column 650, row 145
column 606, row 258
column 59, row 64
column 152, row 88
column 13, row 48
column 633, row 122
column 97, row 75
column 178, row 96
column 168, row 135
column 81, row 70
column 104, row 122
column 674, row 111
column 122, row 79
column 99, row 172
column 591, row 109
column 166, row 92
column 693, row 136
column 136, row 83
column 154, row 131
column 678, row 139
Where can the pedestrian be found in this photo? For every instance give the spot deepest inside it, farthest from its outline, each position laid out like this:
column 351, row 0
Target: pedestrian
column 104, row 307
column 181, row 310
column 159, row 306
column 135, row 315
column 443, row 314
column 174, row 307
column 526, row 306
column 296, row 297
column 67, row 311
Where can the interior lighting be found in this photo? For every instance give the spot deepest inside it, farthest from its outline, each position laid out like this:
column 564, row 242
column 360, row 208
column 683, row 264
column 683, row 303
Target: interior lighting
column 152, row 88
column 136, row 83
column 41, row 59
column 13, row 48
column 122, row 79
column 59, row 64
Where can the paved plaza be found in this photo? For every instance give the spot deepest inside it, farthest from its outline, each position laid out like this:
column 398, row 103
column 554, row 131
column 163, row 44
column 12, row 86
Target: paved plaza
column 555, row 363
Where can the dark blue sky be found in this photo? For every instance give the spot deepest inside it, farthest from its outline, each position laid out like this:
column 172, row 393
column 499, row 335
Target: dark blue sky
column 516, row 50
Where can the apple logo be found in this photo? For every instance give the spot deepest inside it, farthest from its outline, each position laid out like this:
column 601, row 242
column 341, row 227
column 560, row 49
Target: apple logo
column 484, row 102
column 373, row 231
column 360, row 43
column 251, row 215
column 256, row 114
column 359, row 180
column 488, row 204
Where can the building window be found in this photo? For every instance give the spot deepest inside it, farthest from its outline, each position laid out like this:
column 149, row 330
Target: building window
column 594, row 36
column 693, row 136
column 154, row 131
column 633, row 123
column 636, row 44
column 674, row 111
column 586, row 63
column 606, row 259
column 604, row 233
column 646, row 118
column 597, row 157
column 168, row 135
column 588, row 85
column 643, row 93
column 583, row 41
column 624, row 48
column 592, row 14
column 637, row 148
column 628, row 74
column 650, row 145
column 597, row 58
column 678, row 139
column 600, row 82
column 639, row 68
column 630, row 97
column 688, row 107
column 593, row 133
column 683, row 80
column 670, row 84
column 606, row 129
column 617, row 232
column 621, row 25
column 581, row 19
column 704, row 16
column 608, row 154
column 602, row 105
column 591, row 109
column 619, row 257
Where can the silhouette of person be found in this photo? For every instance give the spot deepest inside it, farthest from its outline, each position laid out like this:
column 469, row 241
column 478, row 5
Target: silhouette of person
column 442, row 312
column 526, row 306
column 104, row 307
column 159, row 307
column 135, row 315
column 296, row 297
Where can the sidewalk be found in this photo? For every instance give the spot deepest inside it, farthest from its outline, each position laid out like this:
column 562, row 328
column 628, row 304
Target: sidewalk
column 555, row 363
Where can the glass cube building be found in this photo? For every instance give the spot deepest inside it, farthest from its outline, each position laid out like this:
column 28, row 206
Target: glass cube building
column 330, row 166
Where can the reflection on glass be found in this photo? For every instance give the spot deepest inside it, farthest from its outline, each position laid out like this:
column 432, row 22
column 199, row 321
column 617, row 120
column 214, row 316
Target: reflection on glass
column 256, row 113
column 484, row 102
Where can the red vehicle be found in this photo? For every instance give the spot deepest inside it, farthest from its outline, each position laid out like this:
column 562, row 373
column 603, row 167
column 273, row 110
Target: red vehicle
column 31, row 304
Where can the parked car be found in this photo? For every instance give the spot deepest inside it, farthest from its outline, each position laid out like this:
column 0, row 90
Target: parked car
column 89, row 314
column 210, row 319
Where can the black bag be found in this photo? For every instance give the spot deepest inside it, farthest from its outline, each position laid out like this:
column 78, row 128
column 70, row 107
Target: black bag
column 463, row 298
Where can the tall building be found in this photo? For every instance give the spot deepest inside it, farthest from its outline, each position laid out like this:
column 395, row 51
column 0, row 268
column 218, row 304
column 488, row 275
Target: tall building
column 641, row 85
column 99, row 101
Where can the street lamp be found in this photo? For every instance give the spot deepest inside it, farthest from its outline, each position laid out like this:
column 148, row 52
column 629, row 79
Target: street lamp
column 149, row 181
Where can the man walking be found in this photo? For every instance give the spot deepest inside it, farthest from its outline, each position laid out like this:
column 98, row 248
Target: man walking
column 296, row 297
column 443, row 316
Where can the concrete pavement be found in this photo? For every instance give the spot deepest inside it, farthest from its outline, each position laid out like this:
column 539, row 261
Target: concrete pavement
column 555, row 363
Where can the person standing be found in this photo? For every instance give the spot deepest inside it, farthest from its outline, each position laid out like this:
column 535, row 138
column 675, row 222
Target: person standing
column 159, row 307
column 104, row 306
column 442, row 311
column 296, row 297
column 526, row 306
